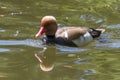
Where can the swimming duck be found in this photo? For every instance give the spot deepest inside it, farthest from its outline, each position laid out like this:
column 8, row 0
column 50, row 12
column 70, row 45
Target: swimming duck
column 67, row 36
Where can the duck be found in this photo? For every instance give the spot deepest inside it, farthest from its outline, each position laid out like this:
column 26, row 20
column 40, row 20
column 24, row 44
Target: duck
column 67, row 36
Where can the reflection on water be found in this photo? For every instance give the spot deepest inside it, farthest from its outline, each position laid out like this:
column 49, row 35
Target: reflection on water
column 47, row 58
column 20, row 20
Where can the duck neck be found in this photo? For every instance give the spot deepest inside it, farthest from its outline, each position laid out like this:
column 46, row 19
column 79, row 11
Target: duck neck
column 50, row 39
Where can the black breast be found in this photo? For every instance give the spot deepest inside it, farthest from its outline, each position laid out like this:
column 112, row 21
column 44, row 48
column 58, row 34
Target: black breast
column 52, row 40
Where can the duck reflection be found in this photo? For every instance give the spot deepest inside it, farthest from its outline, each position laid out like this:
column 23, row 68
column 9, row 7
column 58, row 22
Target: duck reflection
column 47, row 58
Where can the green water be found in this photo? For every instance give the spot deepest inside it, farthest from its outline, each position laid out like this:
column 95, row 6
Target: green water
column 20, row 21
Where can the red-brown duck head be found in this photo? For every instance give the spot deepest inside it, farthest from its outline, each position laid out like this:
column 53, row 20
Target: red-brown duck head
column 48, row 26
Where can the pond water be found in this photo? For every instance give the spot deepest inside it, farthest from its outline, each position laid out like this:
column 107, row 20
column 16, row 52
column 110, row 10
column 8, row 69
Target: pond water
column 20, row 21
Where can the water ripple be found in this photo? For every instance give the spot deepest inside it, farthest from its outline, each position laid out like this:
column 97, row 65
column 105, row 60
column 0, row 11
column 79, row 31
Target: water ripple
column 65, row 49
column 113, row 26
column 4, row 50
column 28, row 42
column 11, row 42
column 109, row 45
column 2, row 30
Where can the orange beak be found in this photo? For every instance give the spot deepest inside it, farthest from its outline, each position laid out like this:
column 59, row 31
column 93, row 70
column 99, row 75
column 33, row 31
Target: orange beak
column 40, row 32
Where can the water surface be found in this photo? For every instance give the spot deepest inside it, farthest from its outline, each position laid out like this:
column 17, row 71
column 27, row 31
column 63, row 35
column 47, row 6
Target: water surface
column 20, row 21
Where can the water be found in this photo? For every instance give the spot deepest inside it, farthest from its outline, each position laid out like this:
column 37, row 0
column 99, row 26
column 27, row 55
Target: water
column 20, row 20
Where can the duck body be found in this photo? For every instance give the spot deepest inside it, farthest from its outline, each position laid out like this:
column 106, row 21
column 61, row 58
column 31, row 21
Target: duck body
column 67, row 36
column 63, row 37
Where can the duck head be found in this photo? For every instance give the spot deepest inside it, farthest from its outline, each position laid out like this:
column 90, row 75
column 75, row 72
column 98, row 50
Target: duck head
column 48, row 26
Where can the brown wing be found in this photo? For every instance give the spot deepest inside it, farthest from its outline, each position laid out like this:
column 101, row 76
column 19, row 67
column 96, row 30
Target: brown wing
column 72, row 32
